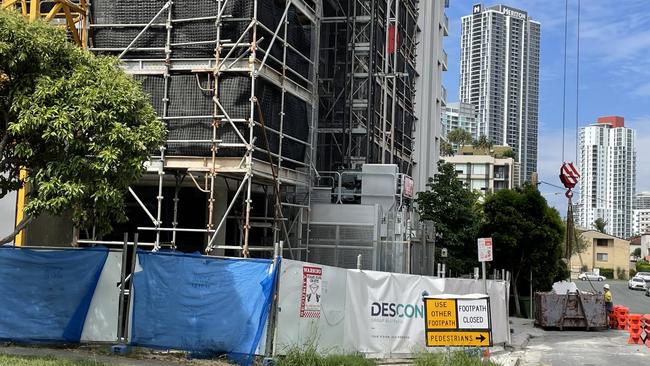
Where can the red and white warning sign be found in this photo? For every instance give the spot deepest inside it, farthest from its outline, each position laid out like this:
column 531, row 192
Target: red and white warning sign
column 310, row 299
column 569, row 175
column 484, row 249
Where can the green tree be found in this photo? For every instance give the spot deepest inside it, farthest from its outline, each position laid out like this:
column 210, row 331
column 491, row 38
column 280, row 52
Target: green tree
column 78, row 125
column 509, row 154
column 637, row 253
column 600, row 225
column 456, row 216
column 459, row 137
column 527, row 235
column 483, row 143
column 446, row 149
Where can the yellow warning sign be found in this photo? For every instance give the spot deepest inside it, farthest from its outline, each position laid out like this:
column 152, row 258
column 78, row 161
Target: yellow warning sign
column 458, row 338
column 440, row 313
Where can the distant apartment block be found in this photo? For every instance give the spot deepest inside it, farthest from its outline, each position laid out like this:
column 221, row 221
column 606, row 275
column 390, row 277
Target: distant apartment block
column 485, row 173
column 499, row 74
column 641, row 213
column 607, row 162
column 462, row 116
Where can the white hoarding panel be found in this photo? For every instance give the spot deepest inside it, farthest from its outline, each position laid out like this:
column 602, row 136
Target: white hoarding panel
column 101, row 320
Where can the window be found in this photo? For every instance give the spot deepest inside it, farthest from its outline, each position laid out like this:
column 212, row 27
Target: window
column 478, row 169
column 601, row 257
column 601, row 242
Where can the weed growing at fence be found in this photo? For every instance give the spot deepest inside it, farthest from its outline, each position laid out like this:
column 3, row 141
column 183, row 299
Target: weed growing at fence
column 6, row 360
column 308, row 356
column 456, row 358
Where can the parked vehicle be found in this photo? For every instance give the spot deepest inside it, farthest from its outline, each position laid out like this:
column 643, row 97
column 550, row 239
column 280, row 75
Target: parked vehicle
column 647, row 291
column 590, row 276
column 636, row 283
column 644, row 275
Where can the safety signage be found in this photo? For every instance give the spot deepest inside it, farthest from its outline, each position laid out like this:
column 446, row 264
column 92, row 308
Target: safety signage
column 485, row 249
column 457, row 321
column 458, row 339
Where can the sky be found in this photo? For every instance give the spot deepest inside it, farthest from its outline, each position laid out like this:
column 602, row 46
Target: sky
column 614, row 77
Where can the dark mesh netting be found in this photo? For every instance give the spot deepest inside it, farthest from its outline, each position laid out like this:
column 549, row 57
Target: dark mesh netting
column 118, row 14
column 186, row 99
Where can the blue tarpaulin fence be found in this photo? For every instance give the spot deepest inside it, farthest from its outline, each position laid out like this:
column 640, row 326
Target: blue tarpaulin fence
column 201, row 304
column 45, row 295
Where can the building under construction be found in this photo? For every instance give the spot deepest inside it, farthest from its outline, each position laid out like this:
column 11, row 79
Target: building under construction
column 300, row 121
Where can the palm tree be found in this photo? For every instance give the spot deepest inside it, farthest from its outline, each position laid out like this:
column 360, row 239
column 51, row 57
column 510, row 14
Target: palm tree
column 459, row 137
column 600, row 225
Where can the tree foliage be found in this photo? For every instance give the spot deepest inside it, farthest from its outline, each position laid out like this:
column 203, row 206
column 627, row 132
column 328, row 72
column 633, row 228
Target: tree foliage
column 527, row 235
column 637, row 253
column 509, row 154
column 456, row 216
column 459, row 137
column 483, row 143
column 600, row 225
column 76, row 122
column 446, row 149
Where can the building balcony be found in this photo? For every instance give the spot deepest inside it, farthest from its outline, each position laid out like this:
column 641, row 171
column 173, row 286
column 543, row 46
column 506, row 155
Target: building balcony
column 445, row 25
column 443, row 60
column 443, row 95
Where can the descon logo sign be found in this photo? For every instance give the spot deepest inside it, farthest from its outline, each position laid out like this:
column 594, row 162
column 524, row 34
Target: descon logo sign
column 396, row 310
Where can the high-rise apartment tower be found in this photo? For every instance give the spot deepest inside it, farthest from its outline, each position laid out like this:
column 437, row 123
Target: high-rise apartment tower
column 499, row 74
column 607, row 163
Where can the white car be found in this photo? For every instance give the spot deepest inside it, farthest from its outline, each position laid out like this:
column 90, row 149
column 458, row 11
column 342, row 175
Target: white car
column 590, row 276
column 636, row 283
column 644, row 275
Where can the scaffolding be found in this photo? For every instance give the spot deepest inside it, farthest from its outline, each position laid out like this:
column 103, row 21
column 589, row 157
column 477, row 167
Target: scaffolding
column 235, row 82
column 367, row 83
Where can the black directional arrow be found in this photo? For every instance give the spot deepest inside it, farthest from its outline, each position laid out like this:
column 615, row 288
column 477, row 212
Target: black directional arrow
column 481, row 338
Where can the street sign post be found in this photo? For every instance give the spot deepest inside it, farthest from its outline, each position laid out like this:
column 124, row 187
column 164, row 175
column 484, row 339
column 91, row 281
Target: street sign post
column 484, row 255
column 458, row 321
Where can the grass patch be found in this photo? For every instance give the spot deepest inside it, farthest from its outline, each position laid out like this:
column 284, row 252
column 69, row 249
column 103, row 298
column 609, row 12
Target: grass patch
column 308, row 356
column 456, row 358
column 6, row 360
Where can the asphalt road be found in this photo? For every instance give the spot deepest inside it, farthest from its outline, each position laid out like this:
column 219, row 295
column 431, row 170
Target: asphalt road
column 621, row 295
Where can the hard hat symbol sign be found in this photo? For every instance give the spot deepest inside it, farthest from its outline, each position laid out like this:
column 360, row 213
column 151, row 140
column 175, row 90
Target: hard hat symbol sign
column 569, row 175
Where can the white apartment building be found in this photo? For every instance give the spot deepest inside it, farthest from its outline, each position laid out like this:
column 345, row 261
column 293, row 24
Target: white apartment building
column 499, row 74
column 607, row 163
column 485, row 173
column 460, row 115
column 430, row 96
column 641, row 213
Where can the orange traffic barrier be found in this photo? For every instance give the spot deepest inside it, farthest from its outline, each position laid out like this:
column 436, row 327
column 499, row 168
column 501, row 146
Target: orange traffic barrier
column 621, row 316
column 635, row 329
column 645, row 321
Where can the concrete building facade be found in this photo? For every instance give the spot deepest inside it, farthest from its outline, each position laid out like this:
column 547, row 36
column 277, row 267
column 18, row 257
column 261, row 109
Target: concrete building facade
column 485, row 173
column 431, row 96
column 460, row 115
column 607, row 162
column 641, row 213
column 603, row 251
column 499, row 74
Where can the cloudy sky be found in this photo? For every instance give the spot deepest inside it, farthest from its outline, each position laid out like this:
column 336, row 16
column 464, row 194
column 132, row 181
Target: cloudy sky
column 614, row 75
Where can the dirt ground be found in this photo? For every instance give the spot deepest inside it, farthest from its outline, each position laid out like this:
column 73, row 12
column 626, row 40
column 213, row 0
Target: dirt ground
column 103, row 354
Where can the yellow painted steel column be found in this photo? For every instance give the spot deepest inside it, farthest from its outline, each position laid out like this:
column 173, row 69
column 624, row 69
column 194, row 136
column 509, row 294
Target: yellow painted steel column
column 34, row 10
column 20, row 206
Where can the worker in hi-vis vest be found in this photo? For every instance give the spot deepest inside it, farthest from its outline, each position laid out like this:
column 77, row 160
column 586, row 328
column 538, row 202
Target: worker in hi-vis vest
column 608, row 299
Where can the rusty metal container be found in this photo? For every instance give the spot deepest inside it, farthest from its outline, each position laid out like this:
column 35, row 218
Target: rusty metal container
column 573, row 310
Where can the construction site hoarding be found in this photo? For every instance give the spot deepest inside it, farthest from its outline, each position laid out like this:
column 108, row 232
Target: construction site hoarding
column 379, row 314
